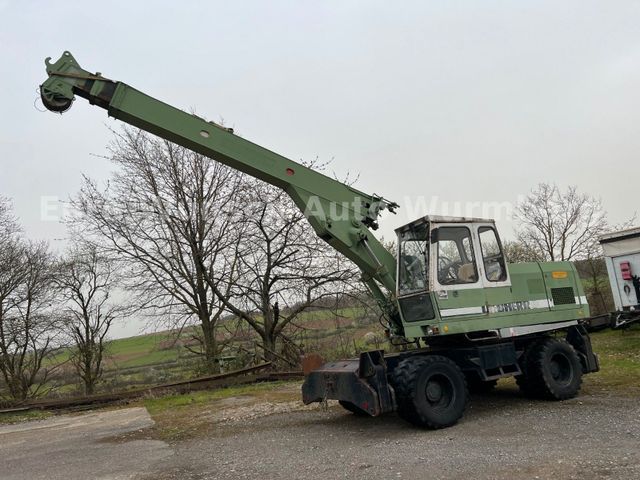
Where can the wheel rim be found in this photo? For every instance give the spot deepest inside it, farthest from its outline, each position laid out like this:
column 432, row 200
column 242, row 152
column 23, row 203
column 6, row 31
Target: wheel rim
column 439, row 391
column 561, row 369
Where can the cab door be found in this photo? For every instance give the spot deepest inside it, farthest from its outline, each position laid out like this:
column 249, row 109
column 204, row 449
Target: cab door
column 455, row 273
column 494, row 274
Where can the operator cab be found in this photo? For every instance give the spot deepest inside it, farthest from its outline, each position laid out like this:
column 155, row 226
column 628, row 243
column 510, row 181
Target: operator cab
column 447, row 256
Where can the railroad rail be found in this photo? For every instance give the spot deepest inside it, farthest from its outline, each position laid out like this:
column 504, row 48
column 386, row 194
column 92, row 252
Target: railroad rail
column 243, row 376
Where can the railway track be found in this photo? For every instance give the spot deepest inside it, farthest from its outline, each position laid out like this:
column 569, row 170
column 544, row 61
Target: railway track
column 243, row 376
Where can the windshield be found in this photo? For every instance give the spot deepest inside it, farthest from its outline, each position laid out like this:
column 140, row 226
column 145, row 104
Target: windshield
column 413, row 260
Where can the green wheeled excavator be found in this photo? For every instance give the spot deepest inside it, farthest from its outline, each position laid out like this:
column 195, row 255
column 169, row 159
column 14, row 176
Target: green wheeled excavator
column 473, row 317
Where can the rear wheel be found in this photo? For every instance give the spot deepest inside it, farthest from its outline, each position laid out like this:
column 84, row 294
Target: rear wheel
column 353, row 408
column 431, row 391
column 551, row 370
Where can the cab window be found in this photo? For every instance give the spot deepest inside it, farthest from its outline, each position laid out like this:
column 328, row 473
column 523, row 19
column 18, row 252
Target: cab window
column 492, row 257
column 413, row 260
column 456, row 261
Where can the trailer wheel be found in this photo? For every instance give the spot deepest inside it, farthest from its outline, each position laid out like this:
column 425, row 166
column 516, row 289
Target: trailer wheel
column 353, row 408
column 431, row 391
column 551, row 370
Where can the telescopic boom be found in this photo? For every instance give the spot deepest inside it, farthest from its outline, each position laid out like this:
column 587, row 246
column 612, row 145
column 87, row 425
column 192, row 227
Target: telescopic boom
column 339, row 214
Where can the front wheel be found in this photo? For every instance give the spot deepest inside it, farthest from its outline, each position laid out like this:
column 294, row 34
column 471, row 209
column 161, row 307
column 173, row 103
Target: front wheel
column 551, row 370
column 431, row 391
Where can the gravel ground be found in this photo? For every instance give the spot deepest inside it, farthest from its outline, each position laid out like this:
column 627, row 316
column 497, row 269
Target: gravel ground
column 502, row 436
column 80, row 447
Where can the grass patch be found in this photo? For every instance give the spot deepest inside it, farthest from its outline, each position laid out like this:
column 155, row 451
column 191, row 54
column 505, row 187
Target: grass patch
column 619, row 353
column 29, row 415
column 157, row 406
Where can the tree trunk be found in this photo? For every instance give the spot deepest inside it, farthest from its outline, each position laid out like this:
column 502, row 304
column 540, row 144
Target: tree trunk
column 210, row 346
column 89, row 386
column 269, row 347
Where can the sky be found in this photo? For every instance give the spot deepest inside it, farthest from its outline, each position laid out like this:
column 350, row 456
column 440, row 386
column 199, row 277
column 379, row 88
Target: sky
column 446, row 107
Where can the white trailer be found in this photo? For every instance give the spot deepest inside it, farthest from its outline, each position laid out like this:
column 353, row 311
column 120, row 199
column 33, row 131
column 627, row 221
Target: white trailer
column 622, row 257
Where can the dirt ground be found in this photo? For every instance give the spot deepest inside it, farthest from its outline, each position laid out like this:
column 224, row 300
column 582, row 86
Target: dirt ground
column 80, row 447
column 502, row 436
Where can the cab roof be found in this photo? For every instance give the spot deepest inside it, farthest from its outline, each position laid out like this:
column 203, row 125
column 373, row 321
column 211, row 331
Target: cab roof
column 443, row 219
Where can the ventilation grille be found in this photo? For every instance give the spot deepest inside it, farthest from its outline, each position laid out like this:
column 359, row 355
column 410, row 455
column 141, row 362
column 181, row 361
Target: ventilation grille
column 563, row 296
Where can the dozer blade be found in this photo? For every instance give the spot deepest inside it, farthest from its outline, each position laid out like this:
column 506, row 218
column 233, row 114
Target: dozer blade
column 362, row 382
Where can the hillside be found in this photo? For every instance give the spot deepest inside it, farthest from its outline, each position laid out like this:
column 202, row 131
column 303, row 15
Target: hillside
column 162, row 356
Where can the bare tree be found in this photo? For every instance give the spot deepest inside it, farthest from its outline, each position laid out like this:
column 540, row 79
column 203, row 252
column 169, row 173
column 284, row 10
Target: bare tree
column 558, row 225
column 593, row 269
column 9, row 227
column 517, row 252
column 200, row 240
column 284, row 269
column 28, row 324
column 169, row 215
column 597, row 287
column 87, row 281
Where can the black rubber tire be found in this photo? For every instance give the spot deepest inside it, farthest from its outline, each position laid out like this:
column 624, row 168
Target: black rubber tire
column 353, row 408
column 431, row 391
column 551, row 370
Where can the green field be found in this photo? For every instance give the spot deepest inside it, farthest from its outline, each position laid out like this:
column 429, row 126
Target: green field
column 161, row 357
column 144, row 350
column 619, row 353
column 155, row 349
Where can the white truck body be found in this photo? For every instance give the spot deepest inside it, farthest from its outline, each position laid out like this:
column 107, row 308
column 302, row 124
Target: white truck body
column 622, row 257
